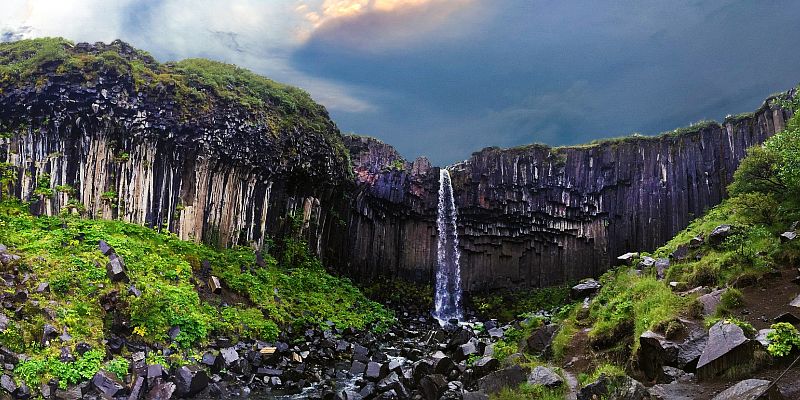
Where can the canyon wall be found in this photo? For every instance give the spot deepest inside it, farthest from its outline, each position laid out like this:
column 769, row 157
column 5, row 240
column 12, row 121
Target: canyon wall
column 106, row 131
column 535, row 216
column 96, row 142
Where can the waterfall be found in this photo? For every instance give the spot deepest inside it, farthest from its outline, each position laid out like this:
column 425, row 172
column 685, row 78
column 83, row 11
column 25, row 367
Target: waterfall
column 447, row 297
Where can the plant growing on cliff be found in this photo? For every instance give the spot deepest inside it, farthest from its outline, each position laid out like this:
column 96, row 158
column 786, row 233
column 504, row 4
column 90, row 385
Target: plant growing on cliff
column 8, row 174
column 783, row 339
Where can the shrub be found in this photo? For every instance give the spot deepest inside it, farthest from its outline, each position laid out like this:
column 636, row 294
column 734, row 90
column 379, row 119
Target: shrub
column 783, row 339
column 731, row 299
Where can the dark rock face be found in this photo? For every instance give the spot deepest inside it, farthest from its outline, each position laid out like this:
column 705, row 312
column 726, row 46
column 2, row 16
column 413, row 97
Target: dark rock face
column 509, row 377
column 538, row 216
column 750, row 389
column 727, row 346
column 226, row 175
column 530, row 216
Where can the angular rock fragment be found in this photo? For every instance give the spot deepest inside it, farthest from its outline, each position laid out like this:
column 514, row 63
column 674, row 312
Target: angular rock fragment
column 584, row 289
column 544, row 376
column 115, row 269
column 214, row 285
column 107, row 384
column 727, row 346
column 750, row 389
column 190, row 380
column 509, row 377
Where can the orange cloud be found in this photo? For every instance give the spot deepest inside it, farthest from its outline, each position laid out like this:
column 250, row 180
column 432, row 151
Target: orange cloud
column 377, row 23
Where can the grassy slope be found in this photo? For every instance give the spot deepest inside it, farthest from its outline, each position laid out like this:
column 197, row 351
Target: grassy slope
column 63, row 252
column 630, row 303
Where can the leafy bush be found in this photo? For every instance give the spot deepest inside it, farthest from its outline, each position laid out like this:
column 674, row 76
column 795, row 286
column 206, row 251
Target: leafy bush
column 36, row 371
column 783, row 339
column 118, row 366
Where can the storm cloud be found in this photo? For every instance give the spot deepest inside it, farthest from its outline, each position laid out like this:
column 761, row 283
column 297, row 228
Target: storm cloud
column 445, row 78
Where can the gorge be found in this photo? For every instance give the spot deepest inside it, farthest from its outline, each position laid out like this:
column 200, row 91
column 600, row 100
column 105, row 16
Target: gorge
column 531, row 216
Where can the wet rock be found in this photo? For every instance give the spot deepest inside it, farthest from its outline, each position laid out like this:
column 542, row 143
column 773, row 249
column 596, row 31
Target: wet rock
column 719, row 234
column 750, row 389
column 214, row 285
column 540, row 340
column 8, row 384
column 727, row 346
column 788, row 236
column 442, row 364
column 628, row 388
column 595, row 390
column 462, row 336
column 433, row 386
column 495, row 333
column 105, row 248
column 584, row 289
column 107, row 384
column 788, row 317
column 544, row 376
column 680, row 253
column 657, row 351
column 43, row 287
column 115, row 270
column 161, row 391
column 190, row 381
column 393, row 382
column 627, row 258
column 509, row 377
column 711, row 301
column 464, row 351
column 376, row 371
column 485, row 365
column 49, row 333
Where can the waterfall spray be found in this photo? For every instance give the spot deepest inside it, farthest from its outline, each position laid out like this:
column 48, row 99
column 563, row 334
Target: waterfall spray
column 447, row 297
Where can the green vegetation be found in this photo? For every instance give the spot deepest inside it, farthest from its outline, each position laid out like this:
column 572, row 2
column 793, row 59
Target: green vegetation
column 41, row 368
column 783, row 339
column 508, row 305
column 610, row 371
column 628, row 305
column 257, row 301
column 527, row 391
column 195, row 85
column 765, row 200
column 510, row 342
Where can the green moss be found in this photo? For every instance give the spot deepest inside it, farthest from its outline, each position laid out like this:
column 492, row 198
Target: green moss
column 63, row 251
column 628, row 305
column 527, row 391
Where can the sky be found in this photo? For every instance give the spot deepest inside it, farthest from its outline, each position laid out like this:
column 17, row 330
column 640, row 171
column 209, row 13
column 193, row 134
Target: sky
column 445, row 78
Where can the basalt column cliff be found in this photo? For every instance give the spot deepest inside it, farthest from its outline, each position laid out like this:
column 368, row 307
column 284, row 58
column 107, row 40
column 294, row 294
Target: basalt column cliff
column 216, row 153
column 538, row 216
column 206, row 150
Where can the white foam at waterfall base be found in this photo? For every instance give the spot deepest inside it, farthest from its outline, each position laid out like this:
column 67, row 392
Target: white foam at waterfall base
column 447, row 295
